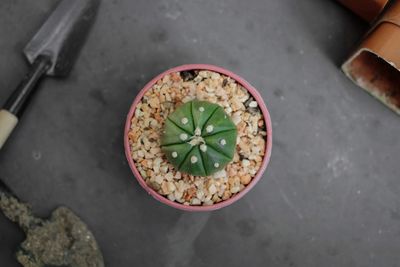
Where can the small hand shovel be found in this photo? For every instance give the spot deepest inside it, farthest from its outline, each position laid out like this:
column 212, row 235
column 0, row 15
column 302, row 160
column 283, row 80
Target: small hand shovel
column 63, row 240
column 52, row 52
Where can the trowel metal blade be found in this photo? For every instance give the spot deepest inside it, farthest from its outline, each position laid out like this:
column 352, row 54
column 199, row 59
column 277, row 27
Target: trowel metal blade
column 63, row 34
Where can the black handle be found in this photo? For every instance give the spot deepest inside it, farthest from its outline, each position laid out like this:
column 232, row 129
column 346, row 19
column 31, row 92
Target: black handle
column 18, row 100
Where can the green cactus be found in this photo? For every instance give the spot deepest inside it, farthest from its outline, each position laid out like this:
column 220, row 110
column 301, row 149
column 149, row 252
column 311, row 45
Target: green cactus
column 199, row 138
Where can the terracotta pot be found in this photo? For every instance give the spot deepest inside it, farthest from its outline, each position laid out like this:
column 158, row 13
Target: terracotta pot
column 366, row 9
column 268, row 146
column 375, row 65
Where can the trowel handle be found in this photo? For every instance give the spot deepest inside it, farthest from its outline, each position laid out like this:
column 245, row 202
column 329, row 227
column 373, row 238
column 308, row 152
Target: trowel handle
column 18, row 100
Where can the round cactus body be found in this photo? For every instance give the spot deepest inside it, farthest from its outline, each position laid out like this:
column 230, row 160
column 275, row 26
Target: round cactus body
column 199, row 138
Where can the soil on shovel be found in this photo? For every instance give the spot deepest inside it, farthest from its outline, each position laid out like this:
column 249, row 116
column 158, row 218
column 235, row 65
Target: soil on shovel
column 63, row 240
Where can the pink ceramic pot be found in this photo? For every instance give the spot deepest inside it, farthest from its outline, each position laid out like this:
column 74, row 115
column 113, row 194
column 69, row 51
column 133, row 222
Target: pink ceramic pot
column 268, row 146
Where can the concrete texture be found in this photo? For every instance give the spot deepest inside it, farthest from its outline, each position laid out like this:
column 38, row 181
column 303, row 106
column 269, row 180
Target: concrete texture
column 331, row 195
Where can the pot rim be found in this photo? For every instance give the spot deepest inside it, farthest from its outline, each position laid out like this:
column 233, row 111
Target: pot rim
column 268, row 147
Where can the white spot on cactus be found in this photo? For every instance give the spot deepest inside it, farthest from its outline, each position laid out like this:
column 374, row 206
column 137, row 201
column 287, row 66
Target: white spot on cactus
column 222, row 142
column 174, row 154
column 184, row 120
column 216, row 164
column 183, row 136
column 193, row 159
column 197, row 131
column 210, row 128
column 201, row 109
column 203, row 147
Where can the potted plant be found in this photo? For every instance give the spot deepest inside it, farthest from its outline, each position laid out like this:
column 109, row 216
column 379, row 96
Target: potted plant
column 198, row 137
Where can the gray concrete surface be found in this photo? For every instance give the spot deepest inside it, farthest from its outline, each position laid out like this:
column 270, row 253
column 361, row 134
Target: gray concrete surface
column 331, row 195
